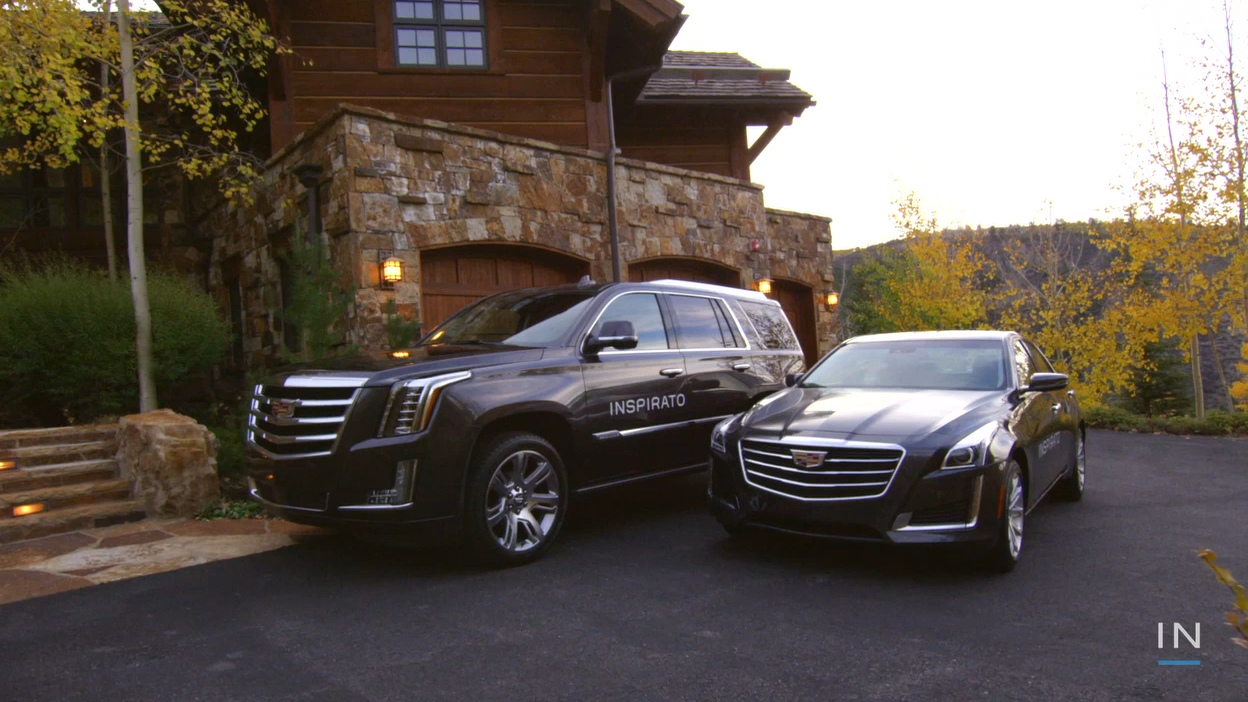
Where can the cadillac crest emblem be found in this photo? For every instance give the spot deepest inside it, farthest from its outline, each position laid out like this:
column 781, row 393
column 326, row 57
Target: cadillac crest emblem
column 808, row 459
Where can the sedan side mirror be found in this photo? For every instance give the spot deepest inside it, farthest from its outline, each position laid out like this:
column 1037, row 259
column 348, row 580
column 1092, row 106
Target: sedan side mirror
column 1047, row 382
column 792, row 379
column 616, row 334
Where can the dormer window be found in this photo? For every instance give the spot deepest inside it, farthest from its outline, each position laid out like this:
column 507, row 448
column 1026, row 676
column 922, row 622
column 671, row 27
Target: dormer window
column 439, row 33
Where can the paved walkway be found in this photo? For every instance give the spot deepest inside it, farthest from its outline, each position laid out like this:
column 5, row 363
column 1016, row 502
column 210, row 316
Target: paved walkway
column 84, row 558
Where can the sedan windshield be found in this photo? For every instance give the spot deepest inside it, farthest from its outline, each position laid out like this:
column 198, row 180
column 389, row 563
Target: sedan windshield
column 913, row 364
column 516, row 319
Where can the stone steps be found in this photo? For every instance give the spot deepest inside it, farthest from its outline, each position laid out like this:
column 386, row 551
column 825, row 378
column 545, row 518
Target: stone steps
column 25, row 438
column 74, row 495
column 21, row 479
column 91, row 516
column 61, row 452
column 69, row 479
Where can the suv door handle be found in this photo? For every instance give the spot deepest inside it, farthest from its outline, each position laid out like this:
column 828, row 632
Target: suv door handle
column 740, row 366
column 671, row 372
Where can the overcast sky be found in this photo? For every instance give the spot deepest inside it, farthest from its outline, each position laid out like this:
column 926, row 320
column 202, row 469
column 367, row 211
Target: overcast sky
column 988, row 109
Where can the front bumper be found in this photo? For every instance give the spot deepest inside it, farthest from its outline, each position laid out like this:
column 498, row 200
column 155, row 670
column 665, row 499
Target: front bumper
column 922, row 505
column 343, row 490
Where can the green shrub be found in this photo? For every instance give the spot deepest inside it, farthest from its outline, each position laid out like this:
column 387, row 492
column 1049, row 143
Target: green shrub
column 1216, row 422
column 68, row 351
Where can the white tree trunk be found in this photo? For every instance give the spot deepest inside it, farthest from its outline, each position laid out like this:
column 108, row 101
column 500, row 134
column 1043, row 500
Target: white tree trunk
column 134, row 212
column 106, row 177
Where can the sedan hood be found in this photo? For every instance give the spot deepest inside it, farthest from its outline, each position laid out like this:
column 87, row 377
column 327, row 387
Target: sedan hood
column 850, row 413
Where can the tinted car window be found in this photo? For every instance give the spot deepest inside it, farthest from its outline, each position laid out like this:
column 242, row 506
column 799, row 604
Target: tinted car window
column 770, row 323
column 1038, row 359
column 642, row 309
column 729, row 327
column 519, row 318
column 1022, row 363
column 699, row 323
column 927, row 364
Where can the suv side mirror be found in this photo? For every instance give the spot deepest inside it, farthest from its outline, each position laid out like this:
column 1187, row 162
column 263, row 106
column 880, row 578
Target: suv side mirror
column 616, row 334
column 1047, row 382
column 791, row 379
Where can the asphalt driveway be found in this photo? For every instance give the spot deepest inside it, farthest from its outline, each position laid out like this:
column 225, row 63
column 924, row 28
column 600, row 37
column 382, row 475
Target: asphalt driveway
column 647, row 599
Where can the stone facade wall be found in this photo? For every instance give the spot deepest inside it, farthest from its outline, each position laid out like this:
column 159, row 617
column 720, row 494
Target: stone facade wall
column 406, row 185
column 801, row 249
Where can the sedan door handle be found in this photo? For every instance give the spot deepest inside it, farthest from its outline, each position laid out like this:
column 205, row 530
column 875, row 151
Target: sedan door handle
column 671, row 372
column 740, row 366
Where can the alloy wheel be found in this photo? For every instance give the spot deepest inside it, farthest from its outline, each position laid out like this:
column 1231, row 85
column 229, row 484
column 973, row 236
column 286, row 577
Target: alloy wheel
column 522, row 501
column 1016, row 514
column 1080, row 463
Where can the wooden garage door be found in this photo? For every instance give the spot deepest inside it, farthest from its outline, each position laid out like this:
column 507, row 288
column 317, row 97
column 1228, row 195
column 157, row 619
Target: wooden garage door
column 684, row 269
column 798, row 302
column 451, row 279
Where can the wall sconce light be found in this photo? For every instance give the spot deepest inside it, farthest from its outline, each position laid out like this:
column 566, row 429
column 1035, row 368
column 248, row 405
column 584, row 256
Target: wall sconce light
column 8, row 463
column 834, row 299
column 764, row 286
column 391, row 269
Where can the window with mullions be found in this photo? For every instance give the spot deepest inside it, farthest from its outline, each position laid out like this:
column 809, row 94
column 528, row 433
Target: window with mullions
column 439, row 33
column 33, row 199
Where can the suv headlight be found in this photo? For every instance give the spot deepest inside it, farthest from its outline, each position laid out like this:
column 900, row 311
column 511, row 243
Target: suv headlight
column 973, row 449
column 718, row 441
column 412, row 402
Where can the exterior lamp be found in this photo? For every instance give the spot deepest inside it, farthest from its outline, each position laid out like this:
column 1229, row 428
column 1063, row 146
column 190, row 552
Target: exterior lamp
column 400, row 354
column 391, row 270
column 833, row 299
column 27, row 510
column 8, row 463
column 764, row 286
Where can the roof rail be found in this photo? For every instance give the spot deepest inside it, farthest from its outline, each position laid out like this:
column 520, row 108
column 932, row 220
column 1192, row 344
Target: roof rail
column 708, row 287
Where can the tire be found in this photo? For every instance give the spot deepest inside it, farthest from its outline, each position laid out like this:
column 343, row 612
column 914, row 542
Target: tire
column 1072, row 486
column 1005, row 551
column 516, row 500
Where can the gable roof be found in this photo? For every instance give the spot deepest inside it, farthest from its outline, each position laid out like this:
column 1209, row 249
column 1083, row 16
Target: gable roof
column 710, row 77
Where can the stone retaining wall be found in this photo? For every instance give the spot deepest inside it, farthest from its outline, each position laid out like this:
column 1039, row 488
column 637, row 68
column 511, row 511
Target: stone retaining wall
column 402, row 184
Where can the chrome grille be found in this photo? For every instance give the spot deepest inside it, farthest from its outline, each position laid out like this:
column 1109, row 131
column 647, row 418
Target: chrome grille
column 848, row 470
column 302, row 418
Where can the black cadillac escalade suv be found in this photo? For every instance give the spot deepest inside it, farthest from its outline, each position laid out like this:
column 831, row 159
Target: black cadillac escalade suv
column 483, row 430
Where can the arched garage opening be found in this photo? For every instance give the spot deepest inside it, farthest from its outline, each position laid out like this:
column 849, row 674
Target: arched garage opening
column 798, row 301
column 678, row 268
column 454, row 277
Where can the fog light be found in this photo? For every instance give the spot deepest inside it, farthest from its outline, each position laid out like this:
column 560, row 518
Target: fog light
column 8, row 463
column 27, row 510
column 401, row 493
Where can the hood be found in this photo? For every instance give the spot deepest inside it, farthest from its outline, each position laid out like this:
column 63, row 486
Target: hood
column 850, row 413
column 384, row 369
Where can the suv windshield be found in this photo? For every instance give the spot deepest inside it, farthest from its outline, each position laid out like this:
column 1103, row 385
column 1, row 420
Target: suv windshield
column 926, row 364
column 516, row 319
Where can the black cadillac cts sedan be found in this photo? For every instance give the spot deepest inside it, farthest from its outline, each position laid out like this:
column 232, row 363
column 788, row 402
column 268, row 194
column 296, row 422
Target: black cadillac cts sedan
column 928, row 437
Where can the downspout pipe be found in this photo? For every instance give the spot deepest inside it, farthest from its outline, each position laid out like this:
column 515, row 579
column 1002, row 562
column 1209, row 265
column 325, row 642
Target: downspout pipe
column 613, row 224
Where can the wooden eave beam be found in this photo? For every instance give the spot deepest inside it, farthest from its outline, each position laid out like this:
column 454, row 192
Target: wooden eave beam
column 599, row 29
column 780, row 121
column 652, row 12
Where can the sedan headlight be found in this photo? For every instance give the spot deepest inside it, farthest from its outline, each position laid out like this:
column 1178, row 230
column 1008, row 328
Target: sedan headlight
column 412, row 402
column 973, row 449
column 719, row 443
